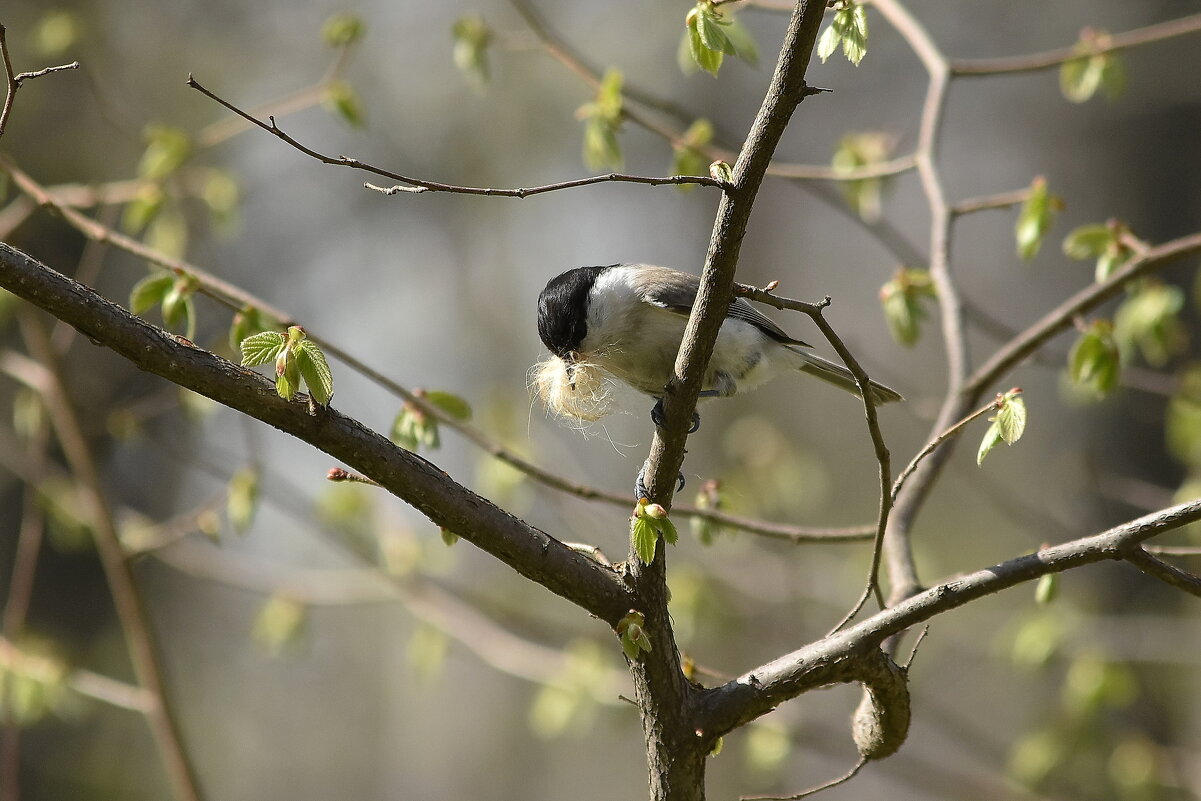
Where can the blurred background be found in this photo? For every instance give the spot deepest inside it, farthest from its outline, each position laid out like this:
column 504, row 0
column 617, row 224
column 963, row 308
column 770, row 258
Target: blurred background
column 323, row 641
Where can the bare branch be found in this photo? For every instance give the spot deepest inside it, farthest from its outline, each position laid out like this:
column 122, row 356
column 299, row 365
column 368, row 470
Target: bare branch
column 883, row 458
column 422, row 185
column 1053, row 58
column 15, row 80
column 1169, row 574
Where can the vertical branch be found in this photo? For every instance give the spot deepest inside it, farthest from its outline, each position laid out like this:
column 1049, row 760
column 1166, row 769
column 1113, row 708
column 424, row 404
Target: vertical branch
column 675, row 748
column 902, row 571
column 130, row 610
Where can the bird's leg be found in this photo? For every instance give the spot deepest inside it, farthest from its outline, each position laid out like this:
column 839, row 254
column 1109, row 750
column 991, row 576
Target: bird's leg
column 640, row 490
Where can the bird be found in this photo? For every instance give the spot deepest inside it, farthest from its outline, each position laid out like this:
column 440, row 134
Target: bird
column 627, row 320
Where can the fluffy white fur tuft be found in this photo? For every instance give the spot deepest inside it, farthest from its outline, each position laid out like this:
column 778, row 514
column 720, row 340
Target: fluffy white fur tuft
column 580, row 391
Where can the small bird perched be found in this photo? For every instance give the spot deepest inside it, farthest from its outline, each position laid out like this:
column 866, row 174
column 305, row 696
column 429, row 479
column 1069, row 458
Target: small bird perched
column 627, row 321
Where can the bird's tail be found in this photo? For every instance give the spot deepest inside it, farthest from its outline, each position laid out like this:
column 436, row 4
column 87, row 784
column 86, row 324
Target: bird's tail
column 841, row 377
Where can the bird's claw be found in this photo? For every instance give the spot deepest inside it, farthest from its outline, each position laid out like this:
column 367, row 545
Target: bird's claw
column 640, row 490
column 658, row 417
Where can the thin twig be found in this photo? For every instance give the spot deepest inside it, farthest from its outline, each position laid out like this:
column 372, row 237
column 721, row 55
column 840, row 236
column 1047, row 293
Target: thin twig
column 422, row 185
column 1053, row 58
column 15, row 79
column 1169, row 574
column 846, row 777
column 883, row 458
column 1001, row 200
column 939, row 440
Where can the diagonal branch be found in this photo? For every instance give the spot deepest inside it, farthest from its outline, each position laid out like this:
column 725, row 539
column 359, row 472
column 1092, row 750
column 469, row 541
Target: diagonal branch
column 835, row 658
column 431, row 491
column 1053, row 58
column 1169, row 574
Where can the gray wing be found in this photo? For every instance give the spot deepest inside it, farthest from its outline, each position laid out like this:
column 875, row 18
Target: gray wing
column 676, row 292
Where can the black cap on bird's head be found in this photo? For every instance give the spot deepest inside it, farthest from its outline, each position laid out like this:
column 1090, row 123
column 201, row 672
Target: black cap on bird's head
column 563, row 310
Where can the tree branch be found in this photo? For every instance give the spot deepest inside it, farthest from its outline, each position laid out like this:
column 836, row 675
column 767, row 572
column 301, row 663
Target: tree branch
column 1169, row 574
column 834, row 658
column 531, row 552
column 15, row 79
column 1053, row 58
column 422, row 185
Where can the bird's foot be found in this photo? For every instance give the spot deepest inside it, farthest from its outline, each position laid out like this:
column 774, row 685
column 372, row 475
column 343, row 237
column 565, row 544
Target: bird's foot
column 658, row 416
column 640, row 490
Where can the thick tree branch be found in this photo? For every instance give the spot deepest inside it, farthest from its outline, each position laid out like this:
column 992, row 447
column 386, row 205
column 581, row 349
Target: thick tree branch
column 529, row 551
column 834, row 658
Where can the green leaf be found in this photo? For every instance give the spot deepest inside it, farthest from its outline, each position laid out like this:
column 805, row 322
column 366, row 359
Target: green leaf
column 1011, row 418
column 1008, row 424
column 707, row 59
column 848, row 28
column 1149, row 320
column 1035, row 218
column 177, row 304
column 828, row 42
column 903, row 300
column 1088, row 241
column 709, row 26
column 166, row 150
column 340, row 98
column 472, row 39
column 246, row 323
column 631, row 629
column 858, row 150
column 854, row 39
column 56, row 32
column 1095, row 361
column 314, row 369
column 343, row 29
column 450, row 403
column 688, row 158
column 1080, row 78
column 280, row 623
column 412, row 429
column 601, row 148
column 145, row 206
column 242, row 498
column 1112, row 260
column 992, row 438
column 1046, row 589
column 1182, row 424
column 449, row 538
column 287, row 375
column 261, row 348
column 644, row 538
column 742, row 40
column 150, row 291
column 222, row 195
